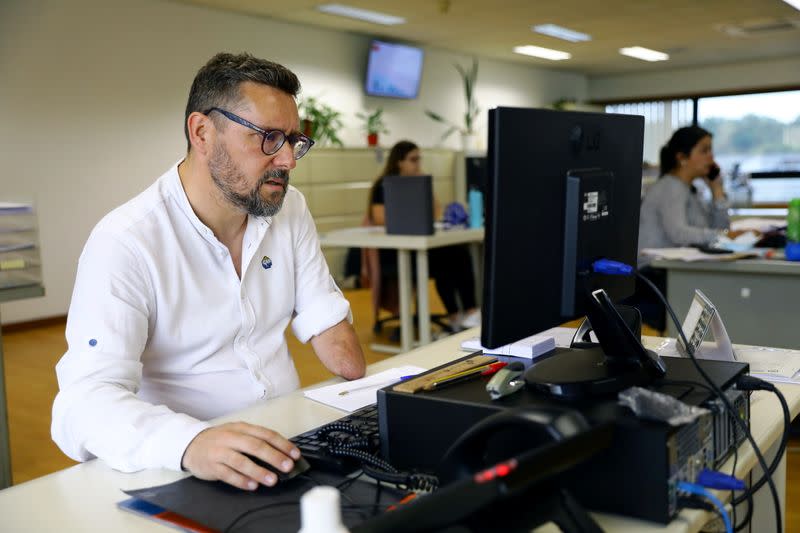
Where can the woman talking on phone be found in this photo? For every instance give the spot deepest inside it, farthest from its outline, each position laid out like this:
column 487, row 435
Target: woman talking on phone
column 672, row 213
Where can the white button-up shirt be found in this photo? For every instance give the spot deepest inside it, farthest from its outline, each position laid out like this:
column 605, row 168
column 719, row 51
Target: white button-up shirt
column 163, row 334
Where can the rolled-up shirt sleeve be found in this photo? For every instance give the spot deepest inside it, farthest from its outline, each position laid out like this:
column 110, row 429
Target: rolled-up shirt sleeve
column 319, row 303
column 97, row 412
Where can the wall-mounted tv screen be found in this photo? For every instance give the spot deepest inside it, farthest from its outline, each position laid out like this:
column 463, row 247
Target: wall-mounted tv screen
column 393, row 70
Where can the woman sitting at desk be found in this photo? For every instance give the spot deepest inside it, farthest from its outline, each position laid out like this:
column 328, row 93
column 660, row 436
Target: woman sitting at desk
column 672, row 213
column 450, row 266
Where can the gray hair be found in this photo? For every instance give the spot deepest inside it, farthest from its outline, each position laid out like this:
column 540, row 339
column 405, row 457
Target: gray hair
column 217, row 82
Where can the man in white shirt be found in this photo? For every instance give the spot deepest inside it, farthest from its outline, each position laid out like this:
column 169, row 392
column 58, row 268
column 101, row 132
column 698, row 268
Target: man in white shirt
column 183, row 294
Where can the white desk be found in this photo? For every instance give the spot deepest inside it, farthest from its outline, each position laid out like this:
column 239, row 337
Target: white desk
column 749, row 294
column 84, row 497
column 376, row 237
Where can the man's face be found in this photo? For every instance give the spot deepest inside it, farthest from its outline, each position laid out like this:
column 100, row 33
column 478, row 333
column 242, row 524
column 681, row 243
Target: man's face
column 247, row 178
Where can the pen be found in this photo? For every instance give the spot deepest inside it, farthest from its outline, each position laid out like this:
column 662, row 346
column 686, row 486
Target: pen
column 486, row 370
column 477, row 370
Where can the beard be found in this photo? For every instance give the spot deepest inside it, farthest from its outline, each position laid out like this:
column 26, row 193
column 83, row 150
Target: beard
column 226, row 175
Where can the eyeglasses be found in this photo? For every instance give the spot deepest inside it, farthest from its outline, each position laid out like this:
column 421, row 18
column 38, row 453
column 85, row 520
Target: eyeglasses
column 272, row 140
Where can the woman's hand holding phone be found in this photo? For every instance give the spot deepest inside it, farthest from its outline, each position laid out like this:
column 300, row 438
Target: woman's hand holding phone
column 713, row 172
column 714, row 183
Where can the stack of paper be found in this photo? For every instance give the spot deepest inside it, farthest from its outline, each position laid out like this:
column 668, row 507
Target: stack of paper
column 529, row 347
column 19, row 253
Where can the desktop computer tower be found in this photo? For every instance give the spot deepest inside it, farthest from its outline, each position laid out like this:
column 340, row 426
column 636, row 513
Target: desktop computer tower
column 636, row 476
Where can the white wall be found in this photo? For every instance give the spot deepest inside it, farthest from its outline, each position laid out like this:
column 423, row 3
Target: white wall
column 734, row 77
column 92, row 95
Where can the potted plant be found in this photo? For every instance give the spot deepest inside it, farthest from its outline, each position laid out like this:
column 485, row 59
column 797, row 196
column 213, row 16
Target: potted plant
column 469, row 77
column 373, row 124
column 320, row 121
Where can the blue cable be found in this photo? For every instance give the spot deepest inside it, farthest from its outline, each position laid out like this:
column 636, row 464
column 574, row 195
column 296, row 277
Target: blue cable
column 712, row 479
column 691, row 488
column 611, row 267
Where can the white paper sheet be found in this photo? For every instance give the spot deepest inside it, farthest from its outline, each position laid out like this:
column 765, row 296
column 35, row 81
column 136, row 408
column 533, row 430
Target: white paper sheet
column 360, row 392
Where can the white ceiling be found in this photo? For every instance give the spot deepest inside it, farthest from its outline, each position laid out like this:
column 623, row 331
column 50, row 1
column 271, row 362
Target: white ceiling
column 691, row 31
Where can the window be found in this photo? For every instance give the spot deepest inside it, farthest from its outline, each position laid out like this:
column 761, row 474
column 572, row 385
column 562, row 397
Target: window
column 757, row 139
column 661, row 118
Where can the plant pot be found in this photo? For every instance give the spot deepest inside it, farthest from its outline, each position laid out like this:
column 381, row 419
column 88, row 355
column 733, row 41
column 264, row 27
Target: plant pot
column 469, row 142
column 308, row 127
column 372, row 139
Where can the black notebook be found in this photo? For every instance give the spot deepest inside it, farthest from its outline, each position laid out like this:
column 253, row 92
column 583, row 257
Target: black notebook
column 408, row 203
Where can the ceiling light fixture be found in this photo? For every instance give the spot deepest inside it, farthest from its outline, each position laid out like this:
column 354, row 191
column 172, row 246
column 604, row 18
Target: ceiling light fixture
column 361, row 14
column 559, row 32
column 794, row 3
column 644, row 53
column 544, row 53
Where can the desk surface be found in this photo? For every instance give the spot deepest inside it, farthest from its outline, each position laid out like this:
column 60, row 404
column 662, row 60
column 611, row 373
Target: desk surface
column 756, row 266
column 376, row 237
column 84, row 497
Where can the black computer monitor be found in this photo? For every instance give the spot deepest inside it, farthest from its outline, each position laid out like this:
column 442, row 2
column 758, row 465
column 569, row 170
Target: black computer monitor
column 563, row 190
column 476, row 172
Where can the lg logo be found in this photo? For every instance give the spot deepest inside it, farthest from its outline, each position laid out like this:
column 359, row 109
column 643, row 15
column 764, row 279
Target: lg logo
column 580, row 140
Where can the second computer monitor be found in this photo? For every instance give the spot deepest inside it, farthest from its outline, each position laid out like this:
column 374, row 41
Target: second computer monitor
column 408, row 201
column 563, row 189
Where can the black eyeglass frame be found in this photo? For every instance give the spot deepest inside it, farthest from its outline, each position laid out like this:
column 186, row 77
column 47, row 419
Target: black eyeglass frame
column 293, row 138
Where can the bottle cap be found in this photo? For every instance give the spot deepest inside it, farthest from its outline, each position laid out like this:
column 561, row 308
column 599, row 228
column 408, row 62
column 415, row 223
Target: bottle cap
column 320, row 511
column 793, row 251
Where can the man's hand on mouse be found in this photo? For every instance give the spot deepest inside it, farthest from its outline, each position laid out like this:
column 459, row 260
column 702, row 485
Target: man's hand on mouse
column 217, row 453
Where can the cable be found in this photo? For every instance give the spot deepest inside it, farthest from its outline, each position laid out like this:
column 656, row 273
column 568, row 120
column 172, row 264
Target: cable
column 733, row 471
column 371, row 509
column 692, row 501
column 691, row 488
column 747, row 383
column 748, row 515
column 373, row 466
column 236, row 521
column 404, row 480
column 723, row 397
column 753, row 383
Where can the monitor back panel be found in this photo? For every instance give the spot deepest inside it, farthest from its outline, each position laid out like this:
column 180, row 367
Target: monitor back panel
column 408, row 201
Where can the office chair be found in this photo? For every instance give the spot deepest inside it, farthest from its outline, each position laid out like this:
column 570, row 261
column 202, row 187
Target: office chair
column 386, row 295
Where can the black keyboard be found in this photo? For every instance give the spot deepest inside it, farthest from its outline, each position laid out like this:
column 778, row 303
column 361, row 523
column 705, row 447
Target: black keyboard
column 315, row 448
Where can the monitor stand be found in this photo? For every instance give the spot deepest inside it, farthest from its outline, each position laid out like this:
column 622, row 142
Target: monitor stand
column 620, row 361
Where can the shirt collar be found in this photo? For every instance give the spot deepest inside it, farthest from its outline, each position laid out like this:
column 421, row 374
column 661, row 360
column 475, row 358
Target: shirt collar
column 176, row 191
column 258, row 225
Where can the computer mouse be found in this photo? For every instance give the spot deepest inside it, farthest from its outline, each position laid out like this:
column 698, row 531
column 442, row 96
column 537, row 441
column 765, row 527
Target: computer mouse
column 300, row 466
